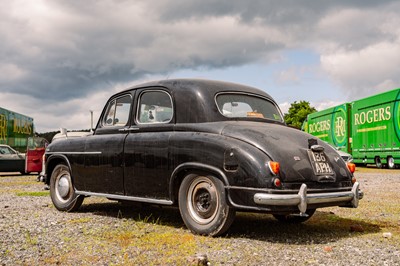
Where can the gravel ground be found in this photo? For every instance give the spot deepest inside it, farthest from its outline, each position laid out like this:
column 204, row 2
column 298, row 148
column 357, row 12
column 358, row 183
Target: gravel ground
column 102, row 232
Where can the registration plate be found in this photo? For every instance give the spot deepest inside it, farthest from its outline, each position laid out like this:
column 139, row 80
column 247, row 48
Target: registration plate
column 320, row 163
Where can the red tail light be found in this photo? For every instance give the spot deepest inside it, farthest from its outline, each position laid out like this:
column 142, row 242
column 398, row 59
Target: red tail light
column 351, row 167
column 277, row 183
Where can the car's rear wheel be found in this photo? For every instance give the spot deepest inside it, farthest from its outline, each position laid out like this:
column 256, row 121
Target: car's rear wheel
column 290, row 218
column 62, row 191
column 203, row 206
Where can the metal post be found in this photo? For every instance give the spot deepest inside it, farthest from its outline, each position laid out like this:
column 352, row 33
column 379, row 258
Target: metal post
column 91, row 120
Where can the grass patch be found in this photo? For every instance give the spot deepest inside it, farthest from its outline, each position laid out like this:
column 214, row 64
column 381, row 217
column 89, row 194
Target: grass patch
column 140, row 243
column 130, row 243
column 33, row 194
column 30, row 239
column 17, row 183
column 80, row 220
column 372, row 169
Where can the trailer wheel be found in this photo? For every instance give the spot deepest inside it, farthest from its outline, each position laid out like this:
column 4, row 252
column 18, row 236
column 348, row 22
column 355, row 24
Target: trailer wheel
column 390, row 162
column 378, row 162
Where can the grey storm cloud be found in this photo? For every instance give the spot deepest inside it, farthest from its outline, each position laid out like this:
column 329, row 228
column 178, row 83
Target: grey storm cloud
column 276, row 12
column 69, row 49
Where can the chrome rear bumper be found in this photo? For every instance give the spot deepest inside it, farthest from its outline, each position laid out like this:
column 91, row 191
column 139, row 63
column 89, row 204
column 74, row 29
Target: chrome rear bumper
column 302, row 199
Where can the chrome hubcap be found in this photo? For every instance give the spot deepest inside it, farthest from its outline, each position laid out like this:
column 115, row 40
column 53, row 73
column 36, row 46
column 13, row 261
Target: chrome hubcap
column 63, row 186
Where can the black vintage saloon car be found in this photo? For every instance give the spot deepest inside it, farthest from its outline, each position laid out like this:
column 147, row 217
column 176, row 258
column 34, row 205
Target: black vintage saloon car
column 211, row 148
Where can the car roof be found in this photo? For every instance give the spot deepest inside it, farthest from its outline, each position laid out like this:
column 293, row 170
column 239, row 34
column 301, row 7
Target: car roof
column 195, row 98
column 212, row 86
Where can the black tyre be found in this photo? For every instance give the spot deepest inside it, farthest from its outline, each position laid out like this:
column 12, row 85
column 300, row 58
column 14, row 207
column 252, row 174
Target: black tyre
column 390, row 162
column 203, row 206
column 62, row 191
column 289, row 218
column 378, row 162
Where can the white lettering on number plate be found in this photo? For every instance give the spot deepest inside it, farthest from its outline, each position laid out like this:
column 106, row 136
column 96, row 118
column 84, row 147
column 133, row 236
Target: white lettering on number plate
column 320, row 163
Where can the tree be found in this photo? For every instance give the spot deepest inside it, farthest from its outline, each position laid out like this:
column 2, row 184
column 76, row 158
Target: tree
column 48, row 135
column 298, row 113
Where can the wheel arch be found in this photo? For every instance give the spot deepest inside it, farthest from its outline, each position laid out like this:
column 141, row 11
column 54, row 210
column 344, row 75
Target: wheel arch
column 184, row 169
column 52, row 162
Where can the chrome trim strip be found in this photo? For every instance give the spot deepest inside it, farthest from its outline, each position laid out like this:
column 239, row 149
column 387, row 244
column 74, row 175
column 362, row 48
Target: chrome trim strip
column 74, row 152
column 122, row 197
column 129, row 129
column 302, row 199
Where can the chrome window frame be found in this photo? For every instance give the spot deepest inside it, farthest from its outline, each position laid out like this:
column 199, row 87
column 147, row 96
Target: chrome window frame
column 103, row 121
column 252, row 95
column 137, row 121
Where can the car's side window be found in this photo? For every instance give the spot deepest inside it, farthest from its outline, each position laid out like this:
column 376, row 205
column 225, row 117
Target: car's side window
column 6, row 150
column 117, row 113
column 154, row 107
column 238, row 105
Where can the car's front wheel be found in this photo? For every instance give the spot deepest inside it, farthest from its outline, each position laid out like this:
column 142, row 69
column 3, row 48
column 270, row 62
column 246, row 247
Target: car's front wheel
column 62, row 191
column 290, row 218
column 203, row 206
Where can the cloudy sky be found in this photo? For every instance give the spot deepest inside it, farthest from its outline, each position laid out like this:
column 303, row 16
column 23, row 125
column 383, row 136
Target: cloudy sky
column 60, row 59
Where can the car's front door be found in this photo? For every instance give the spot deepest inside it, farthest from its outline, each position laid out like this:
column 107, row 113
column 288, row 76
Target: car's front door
column 103, row 154
column 34, row 154
column 147, row 169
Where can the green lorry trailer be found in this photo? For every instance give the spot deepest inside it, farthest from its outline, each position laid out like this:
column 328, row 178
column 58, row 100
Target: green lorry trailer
column 368, row 129
column 15, row 129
